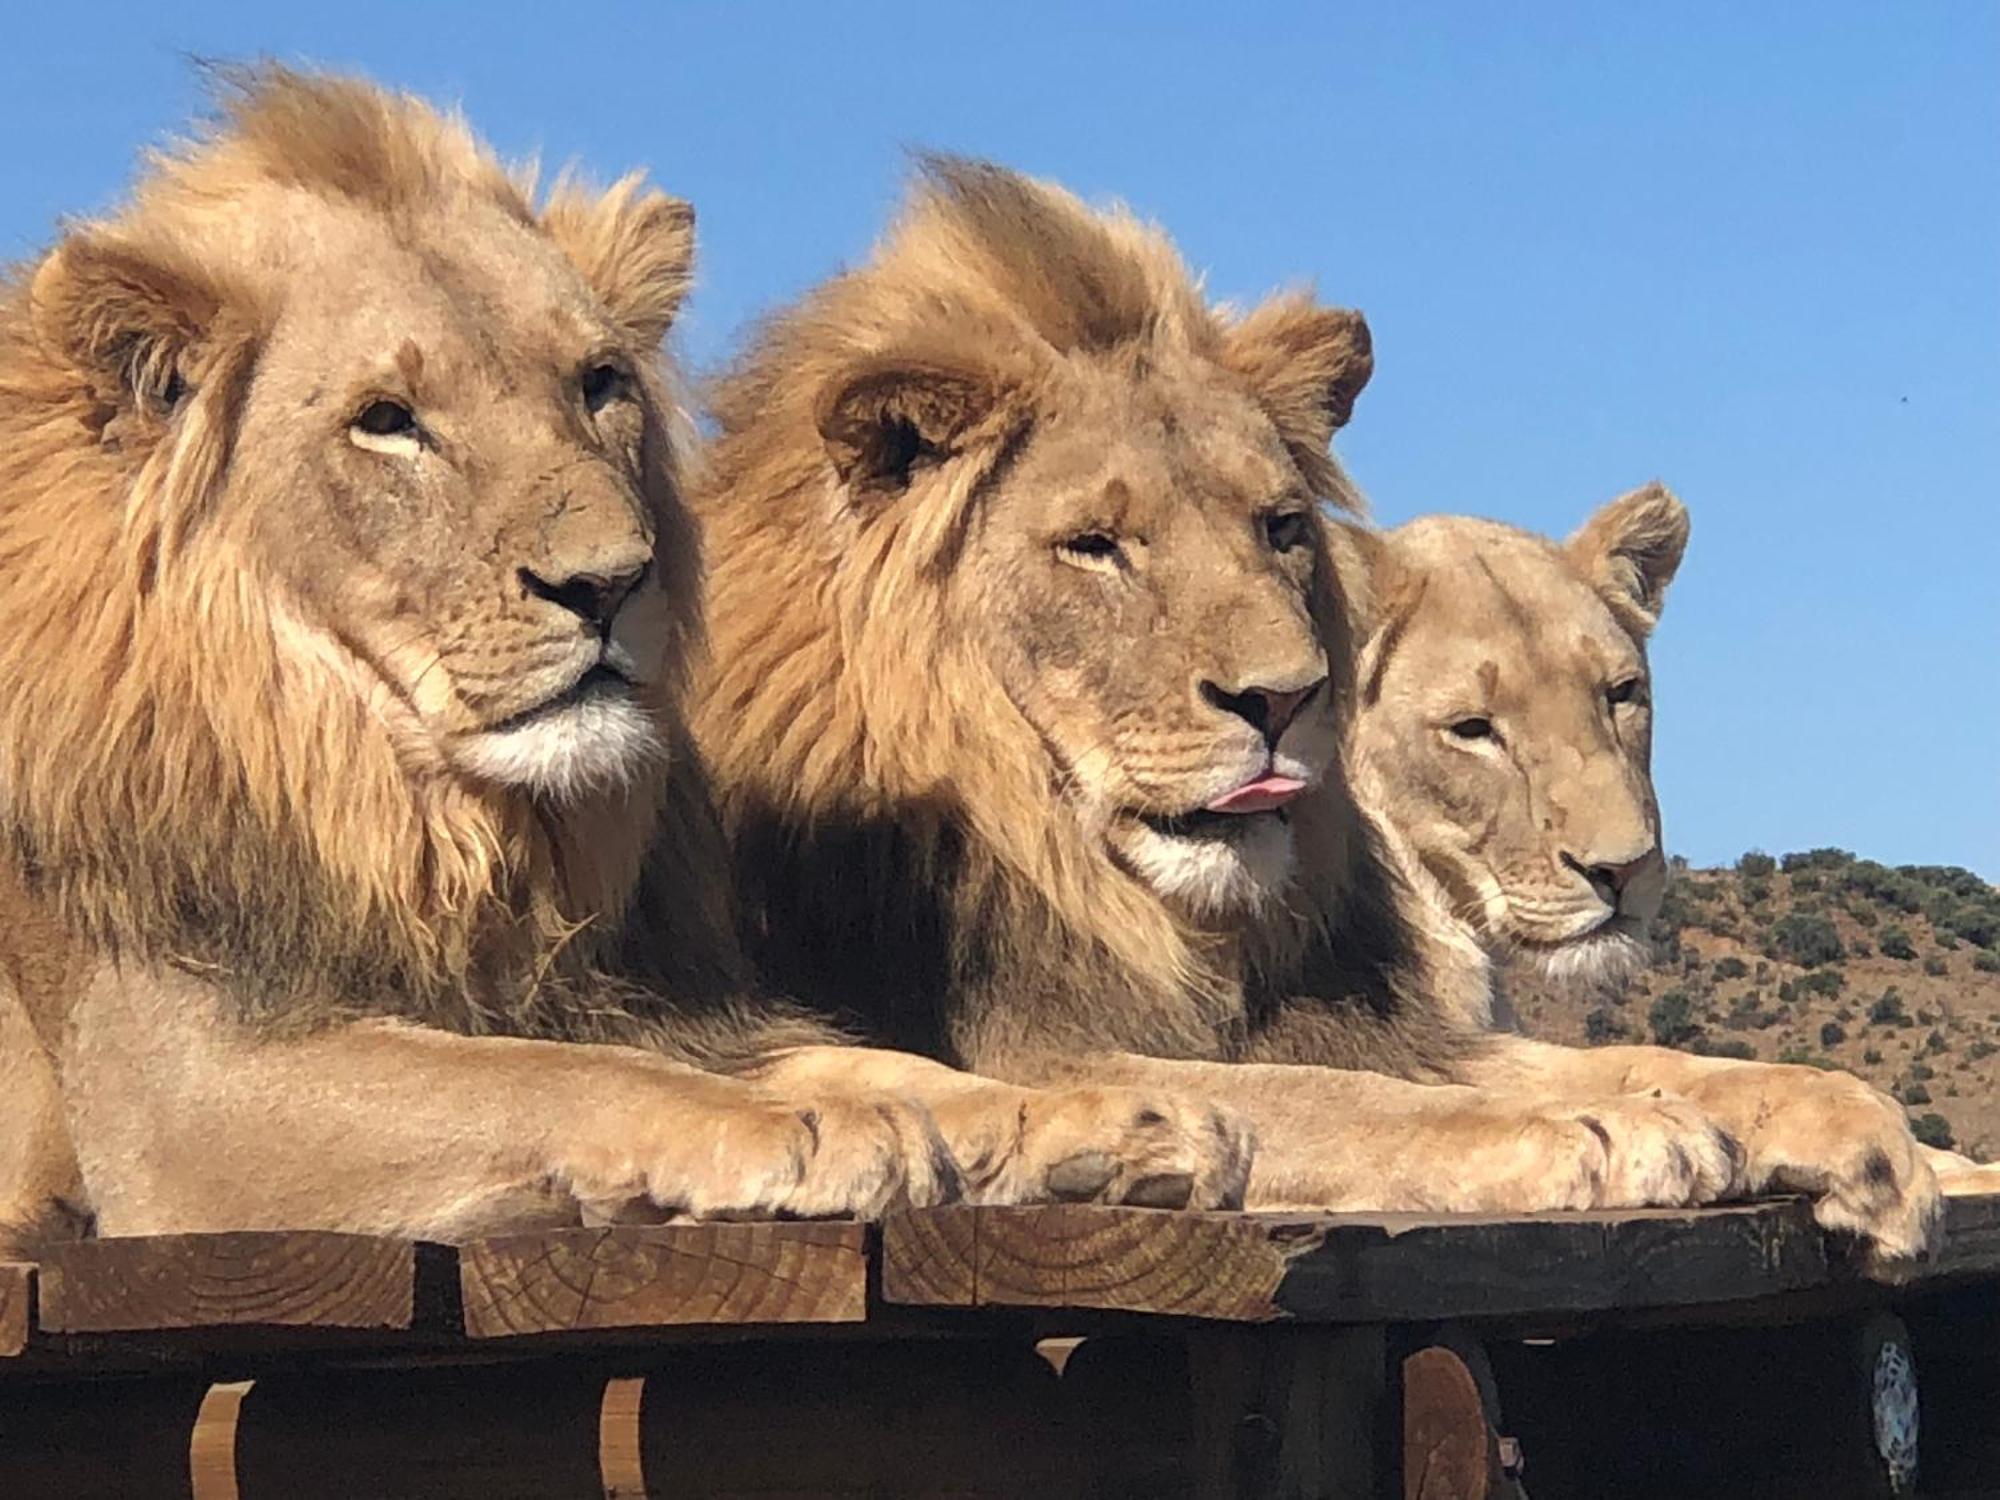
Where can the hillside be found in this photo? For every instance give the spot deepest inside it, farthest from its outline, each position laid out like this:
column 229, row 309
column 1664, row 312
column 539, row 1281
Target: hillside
column 1826, row 959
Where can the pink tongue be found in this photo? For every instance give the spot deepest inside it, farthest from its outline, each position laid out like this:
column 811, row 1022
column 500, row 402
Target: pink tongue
column 1261, row 795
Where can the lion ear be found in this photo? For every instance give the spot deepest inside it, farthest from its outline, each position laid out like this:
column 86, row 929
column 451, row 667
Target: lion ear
column 634, row 246
column 885, row 424
column 1630, row 551
column 127, row 322
column 1306, row 363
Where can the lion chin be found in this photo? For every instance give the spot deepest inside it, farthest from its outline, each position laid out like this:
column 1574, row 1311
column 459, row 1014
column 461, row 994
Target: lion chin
column 1239, row 869
column 571, row 752
column 1607, row 957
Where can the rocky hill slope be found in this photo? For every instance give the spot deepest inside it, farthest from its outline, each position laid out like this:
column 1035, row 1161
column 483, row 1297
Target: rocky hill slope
column 1826, row 959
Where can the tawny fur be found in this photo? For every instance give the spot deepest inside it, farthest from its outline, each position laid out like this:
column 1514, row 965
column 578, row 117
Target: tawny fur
column 331, row 893
column 1000, row 524
column 1502, row 736
column 239, row 839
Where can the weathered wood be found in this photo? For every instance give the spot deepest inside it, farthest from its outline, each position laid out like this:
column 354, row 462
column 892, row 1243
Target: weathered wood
column 652, row 1277
column 124, row 1438
column 1226, row 1266
column 528, row 1431
column 303, row 1279
column 1449, row 1450
column 1348, row 1268
column 956, row 1418
column 212, row 1449
column 1291, row 1413
column 17, row 1293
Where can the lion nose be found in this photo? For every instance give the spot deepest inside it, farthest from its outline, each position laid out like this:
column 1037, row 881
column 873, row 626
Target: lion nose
column 1268, row 710
column 593, row 597
column 1608, row 880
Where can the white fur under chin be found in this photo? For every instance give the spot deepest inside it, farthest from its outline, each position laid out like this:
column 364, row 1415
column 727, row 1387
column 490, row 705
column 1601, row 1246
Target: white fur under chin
column 1211, row 876
column 592, row 746
column 1607, row 958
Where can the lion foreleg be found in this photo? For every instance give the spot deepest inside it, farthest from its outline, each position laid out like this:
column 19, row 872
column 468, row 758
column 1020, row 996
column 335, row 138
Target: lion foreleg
column 1027, row 1145
column 1820, row 1132
column 1334, row 1140
column 184, row 1120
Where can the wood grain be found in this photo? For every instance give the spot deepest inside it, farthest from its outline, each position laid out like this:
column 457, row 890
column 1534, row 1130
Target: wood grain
column 1353, row 1268
column 664, row 1276
column 17, row 1291
column 301, row 1279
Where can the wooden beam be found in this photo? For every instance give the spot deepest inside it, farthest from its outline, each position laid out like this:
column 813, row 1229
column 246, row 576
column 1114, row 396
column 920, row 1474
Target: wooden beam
column 17, row 1291
column 665, row 1276
column 296, row 1279
column 1347, row 1268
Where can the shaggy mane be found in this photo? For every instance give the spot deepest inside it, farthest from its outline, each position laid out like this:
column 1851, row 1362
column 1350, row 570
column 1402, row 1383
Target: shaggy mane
column 878, row 782
column 187, row 774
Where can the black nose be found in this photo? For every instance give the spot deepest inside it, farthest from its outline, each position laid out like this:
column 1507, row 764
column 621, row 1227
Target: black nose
column 1609, row 881
column 592, row 597
column 1267, row 710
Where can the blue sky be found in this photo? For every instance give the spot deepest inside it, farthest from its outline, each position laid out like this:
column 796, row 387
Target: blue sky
column 1751, row 250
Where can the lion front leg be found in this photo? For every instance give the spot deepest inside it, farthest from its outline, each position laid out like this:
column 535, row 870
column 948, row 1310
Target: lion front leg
column 1150, row 1147
column 186, row 1121
column 1334, row 1140
column 1823, row 1133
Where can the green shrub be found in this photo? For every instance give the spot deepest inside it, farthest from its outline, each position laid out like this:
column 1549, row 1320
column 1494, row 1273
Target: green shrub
column 1816, row 859
column 1731, row 968
column 1933, row 1129
column 1808, row 938
column 1936, row 1043
column 1724, row 1046
column 1888, row 1009
column 1602, row 1025
column 1872, row 1056
column 1981, row 1050
column 1832, row 1034
column 1986, row 961
column 1797, row 1053
column 1756, row 863
column 1936, row 967
column 1895, row 943
column 1914, row 1093
column 1828, row 982
column 1756, row 892
column 1671, row 1019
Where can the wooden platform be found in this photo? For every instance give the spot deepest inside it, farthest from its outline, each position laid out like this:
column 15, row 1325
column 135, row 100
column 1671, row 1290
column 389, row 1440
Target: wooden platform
column 1730, row 1351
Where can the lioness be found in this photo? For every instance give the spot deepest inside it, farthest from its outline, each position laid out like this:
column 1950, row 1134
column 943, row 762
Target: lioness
column 345, row 592
column 1026, row 701
column 1502, row 739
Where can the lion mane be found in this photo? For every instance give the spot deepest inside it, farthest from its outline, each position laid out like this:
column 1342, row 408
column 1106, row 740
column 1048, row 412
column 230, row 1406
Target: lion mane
column 899, row 845
column 183, row 782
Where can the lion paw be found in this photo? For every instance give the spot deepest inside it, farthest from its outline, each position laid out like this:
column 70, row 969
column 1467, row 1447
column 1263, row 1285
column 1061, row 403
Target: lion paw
column 1120, row 1145
column 1844, row 1143
column 763, row 1158
column 1631, row 1151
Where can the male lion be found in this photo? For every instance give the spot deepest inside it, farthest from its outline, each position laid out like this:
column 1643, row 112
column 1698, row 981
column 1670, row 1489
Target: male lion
column 345, row 587
column 1502, row 739
column 1026, row 706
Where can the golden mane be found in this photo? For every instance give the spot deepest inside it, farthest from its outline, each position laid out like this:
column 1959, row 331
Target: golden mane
column 837, row 771
column 180, row 779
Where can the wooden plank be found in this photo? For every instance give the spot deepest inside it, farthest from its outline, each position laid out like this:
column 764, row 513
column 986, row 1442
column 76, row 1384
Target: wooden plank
column 17, row 1291
column 526, row 1431
column 1226, row 1266
column 1971, row 1237
column 128, row 1438
column 965, row 1418
column 664, row 1276
column 294, row 1279
column 1347, row 1268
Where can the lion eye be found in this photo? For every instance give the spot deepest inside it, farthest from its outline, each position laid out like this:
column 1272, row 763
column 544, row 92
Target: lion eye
column 603, row 384
column 1090, row 547
column 1287, row 530
column 1473, row 729
column 1631, row 690
column 386, row 419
